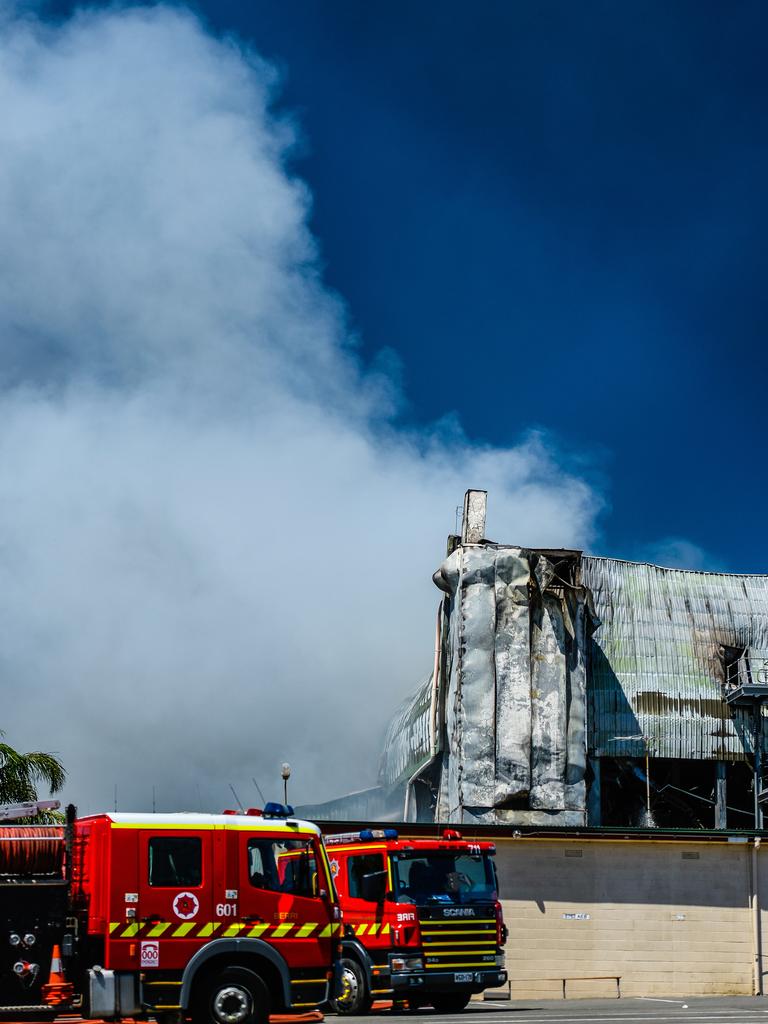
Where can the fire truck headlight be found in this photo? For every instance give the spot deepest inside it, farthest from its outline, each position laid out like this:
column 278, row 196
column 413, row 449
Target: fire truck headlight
column 14, row 939
column 407, row 963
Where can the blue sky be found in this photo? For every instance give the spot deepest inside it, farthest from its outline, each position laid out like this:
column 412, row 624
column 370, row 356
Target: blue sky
column 539, row 227
column 554, row 214
column 569, row 198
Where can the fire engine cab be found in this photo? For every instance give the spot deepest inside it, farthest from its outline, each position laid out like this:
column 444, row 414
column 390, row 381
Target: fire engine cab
column 224, row 918
column 422, row 919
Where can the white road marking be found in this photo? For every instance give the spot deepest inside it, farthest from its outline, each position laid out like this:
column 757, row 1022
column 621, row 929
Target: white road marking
column 657, row 999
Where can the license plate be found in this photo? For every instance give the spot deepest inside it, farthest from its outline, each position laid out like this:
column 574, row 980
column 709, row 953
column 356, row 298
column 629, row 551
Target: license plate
column 460, row 978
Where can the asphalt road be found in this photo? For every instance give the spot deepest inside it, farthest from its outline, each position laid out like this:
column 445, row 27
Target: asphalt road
column 722, row 1010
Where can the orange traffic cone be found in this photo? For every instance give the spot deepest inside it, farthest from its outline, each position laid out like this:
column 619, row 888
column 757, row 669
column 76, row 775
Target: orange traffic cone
column 58, row 990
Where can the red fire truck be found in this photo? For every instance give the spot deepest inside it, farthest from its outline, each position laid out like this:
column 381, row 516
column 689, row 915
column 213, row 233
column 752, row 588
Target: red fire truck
column 422, row 919
column 168, row 915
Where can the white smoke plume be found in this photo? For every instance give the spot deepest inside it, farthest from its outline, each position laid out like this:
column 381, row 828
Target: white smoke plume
column 216, row 543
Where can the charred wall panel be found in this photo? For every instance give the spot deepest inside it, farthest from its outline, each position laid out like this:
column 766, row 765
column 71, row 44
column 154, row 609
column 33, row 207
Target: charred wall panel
column 514, row 672
column 657, row 669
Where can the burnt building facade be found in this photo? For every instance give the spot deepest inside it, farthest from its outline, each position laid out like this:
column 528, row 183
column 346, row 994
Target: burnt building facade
column 571, row 690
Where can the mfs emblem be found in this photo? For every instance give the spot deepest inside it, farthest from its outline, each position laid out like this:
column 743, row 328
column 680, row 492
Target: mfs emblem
column 186, row 906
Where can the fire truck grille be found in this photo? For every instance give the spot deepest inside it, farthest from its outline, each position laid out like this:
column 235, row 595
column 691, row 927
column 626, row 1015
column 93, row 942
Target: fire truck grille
column 459, row 944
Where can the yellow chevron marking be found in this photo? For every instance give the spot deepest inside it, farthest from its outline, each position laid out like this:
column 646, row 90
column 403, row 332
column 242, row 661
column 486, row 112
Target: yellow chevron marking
column 183, row 929
column 373, row 929
column 360, row 929
column 385, row 929
column 159, row 929
column 130, row 931
column 233, row 929
column 257, row 930
column 208, row 929
column 113, row 925
column 327, row 932
column 281, row 930
column 306, row 929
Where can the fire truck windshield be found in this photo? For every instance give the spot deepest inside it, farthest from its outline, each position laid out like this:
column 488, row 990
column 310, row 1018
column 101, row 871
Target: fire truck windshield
column 443, row 877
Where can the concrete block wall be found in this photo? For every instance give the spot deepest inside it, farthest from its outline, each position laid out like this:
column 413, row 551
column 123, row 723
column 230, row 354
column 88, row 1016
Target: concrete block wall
column 668, row 919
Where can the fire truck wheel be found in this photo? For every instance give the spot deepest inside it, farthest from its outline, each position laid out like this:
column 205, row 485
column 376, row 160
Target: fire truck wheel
column 451, row 1002
column 237, row 996
column 354, row 998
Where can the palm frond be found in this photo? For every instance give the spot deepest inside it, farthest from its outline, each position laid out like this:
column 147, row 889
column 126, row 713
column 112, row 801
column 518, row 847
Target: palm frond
column 21, row 774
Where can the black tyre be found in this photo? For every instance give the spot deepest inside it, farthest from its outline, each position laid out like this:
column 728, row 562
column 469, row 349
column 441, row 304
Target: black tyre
column 234, row 996
column 451, row 1002
column 354, row 997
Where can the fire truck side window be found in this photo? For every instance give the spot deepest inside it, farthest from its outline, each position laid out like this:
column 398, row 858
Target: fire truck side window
column 281, row 866
column 175, row 862
column 358, row 868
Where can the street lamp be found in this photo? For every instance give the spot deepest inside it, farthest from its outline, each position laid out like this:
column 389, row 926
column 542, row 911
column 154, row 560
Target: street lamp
column 285, row 771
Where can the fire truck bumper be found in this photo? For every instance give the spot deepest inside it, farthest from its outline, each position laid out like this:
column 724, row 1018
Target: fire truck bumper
column 447, row 981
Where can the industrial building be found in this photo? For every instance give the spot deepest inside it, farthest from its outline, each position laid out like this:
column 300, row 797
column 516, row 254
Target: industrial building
column 571, row 690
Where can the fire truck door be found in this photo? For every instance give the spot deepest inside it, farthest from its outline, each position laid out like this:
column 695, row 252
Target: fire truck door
column 175, row 885
column 281, row 897
column 365, row 884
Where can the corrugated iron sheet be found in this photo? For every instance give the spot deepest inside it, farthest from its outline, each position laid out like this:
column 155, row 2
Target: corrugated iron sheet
column 657, row 671
column 409, row 742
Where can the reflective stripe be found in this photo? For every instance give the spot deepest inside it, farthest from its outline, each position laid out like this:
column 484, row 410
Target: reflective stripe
column 360, row 929
column 122, row 930
column 206, row 826
column 209, row 929
column 373, row 929
column 440, row 923
column 488, row 943
column 385, row 929
column 346, row 847
column 469, row 931
column 257, row 930
column 451, row 967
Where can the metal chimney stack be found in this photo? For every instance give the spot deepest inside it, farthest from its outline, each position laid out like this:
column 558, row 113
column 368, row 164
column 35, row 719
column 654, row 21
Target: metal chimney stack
column 473, row 523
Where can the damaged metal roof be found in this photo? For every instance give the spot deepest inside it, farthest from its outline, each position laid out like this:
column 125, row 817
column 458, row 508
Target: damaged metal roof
column 660, row 657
